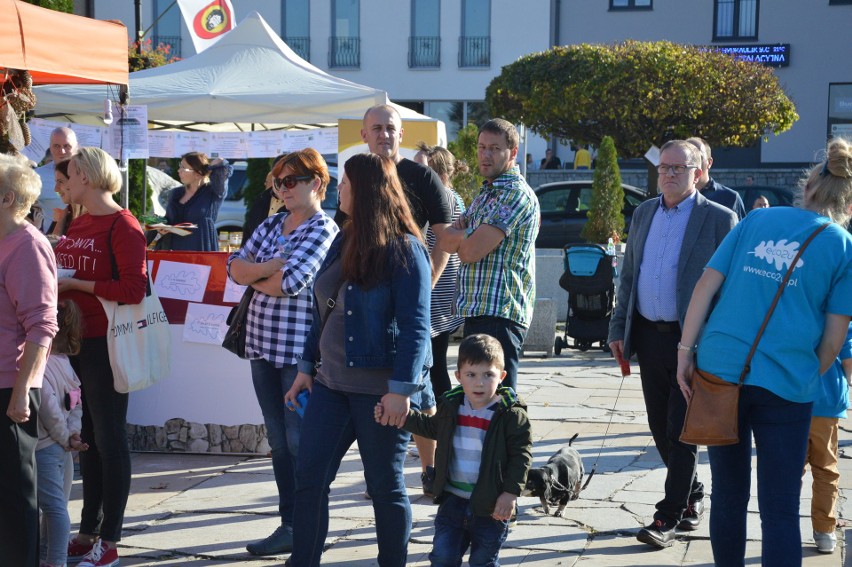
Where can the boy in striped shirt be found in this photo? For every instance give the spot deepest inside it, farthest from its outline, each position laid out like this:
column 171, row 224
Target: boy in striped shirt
column 483, row 456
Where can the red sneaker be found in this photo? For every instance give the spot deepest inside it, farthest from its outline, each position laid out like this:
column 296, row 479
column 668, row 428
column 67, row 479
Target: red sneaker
column 100, row 556
column 77, row 551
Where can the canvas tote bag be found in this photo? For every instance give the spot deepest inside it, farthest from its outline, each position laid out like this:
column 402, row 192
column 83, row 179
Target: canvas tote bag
column 139, row 340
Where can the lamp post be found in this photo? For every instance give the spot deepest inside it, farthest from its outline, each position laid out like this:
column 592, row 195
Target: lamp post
column 138, row 6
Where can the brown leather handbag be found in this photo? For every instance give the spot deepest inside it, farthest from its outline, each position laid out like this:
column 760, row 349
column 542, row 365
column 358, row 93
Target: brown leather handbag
column 712, row 414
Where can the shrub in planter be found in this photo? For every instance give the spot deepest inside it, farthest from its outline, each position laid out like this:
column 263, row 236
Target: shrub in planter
column 605, row 217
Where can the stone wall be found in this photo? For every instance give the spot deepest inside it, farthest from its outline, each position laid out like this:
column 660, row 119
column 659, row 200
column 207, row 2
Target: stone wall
column 181, row 436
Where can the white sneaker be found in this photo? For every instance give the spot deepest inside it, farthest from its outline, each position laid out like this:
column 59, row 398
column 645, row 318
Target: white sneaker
column 825, row 542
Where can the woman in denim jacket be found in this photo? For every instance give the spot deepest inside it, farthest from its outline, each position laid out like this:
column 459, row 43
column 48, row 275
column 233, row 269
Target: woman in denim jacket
column 371, row 324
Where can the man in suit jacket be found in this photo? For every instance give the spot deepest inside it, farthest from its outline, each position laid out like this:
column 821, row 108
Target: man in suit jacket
column 671, row 239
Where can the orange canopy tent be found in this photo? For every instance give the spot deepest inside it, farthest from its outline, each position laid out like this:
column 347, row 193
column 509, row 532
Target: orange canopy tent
column 61, row 48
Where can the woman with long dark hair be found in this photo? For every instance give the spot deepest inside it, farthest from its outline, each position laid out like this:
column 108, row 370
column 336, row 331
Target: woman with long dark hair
column 371, row 324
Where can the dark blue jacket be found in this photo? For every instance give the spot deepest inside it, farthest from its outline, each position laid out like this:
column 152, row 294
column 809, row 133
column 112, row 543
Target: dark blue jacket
column 725, row 196
column 387, row 325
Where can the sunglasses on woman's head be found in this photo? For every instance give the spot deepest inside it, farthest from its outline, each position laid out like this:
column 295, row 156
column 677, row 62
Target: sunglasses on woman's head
column 289, row 181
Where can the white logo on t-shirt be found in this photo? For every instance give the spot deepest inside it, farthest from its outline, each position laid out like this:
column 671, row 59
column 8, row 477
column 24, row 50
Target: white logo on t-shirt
column 780, row 253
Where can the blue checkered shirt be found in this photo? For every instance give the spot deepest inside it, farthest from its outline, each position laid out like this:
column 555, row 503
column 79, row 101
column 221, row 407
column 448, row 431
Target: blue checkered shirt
column 656, row 289
column 276, row 327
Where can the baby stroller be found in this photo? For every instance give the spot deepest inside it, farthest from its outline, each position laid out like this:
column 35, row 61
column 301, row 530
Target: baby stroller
column 588, row 279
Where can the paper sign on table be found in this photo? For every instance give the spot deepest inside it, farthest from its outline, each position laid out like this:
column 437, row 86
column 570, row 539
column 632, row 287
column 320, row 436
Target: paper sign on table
column 233, row 291
column 205, row 323
column 178, row 280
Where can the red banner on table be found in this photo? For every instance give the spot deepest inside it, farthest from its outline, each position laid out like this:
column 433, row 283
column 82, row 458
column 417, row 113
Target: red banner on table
column 175, row 308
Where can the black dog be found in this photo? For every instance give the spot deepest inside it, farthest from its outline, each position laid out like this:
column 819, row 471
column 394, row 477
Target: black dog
column 559, row 481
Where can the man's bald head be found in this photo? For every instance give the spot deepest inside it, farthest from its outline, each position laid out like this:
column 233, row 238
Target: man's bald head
column 382, row 131
column 63, row 143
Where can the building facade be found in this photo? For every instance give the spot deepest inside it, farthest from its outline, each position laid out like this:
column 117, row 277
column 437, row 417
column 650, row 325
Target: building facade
column 438, row 56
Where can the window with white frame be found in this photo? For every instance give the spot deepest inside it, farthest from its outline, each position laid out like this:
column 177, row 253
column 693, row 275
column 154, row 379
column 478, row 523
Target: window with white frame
column 167, row 27
column 296, row 26
column 345, row 48
column 475, row 40
column 735, row 19
column 631, row 4
column 424, row 44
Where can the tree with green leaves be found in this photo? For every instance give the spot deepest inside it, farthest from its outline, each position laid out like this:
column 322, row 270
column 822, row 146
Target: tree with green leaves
column 467, row 184
column 605, row 217
column 641, row 93
column 148, row 56
column 66, row 6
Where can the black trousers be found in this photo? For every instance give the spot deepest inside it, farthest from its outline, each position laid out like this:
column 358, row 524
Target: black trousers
column 656, row 349
column 439, row 374
column 106, row 465
column 19, row 545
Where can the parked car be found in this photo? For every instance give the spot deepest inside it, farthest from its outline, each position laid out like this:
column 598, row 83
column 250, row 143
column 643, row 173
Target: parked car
column 777, row 196
column 232, row 212
column 564, row 205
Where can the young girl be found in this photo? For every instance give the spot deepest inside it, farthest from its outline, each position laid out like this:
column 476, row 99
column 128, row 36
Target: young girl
column 58, row 435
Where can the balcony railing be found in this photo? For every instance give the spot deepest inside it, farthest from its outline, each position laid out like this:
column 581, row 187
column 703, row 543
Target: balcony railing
column 344, row 52
column 474, row 51
column 171, row 40
column 424, row 51
column 301, row 45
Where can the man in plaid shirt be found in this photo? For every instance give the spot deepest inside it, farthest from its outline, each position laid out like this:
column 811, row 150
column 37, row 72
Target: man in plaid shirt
column 495, row 241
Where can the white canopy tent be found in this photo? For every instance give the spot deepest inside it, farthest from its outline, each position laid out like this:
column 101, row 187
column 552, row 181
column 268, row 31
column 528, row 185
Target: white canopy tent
column 249, row 80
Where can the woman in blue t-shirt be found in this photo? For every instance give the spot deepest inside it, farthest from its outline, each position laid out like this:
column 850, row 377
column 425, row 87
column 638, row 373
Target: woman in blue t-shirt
column 800, row 342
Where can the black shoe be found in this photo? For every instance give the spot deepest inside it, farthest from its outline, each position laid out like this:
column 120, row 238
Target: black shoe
column 427, row 478
column 281, row 541
column 657, row 534
column 692, row 516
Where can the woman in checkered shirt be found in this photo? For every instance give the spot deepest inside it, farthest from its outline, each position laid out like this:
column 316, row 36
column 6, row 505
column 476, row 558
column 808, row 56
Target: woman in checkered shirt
column 280, row 261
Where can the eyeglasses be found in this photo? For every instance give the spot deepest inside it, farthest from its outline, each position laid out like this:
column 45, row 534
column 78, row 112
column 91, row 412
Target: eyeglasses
column 289, row 181
column 186, row 169
column 663, row 169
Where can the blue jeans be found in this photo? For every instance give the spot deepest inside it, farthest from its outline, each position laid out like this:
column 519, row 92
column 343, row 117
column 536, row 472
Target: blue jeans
column 52, row 462
column 780, row 430
column 456, row 529
column 511, row 337
column 282, row 428
column 333, row 421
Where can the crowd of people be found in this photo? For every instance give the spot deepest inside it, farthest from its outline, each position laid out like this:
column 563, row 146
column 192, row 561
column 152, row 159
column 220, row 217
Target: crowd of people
column 697, row 281
column 348, row 328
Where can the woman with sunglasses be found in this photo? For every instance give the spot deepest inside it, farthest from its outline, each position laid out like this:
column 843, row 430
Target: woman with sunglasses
column 280, row 261
column 375, row 348
column 205, row 184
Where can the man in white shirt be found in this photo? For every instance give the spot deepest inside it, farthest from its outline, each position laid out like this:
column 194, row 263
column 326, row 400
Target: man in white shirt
column 63, row 143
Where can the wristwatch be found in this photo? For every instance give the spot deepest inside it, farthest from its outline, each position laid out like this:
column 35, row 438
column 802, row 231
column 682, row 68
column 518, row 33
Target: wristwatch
column 686, row 348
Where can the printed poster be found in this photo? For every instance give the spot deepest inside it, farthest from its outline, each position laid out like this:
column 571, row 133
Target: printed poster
column 267, row 144
column 205, row 323
column 178, row 280
column 233, row 291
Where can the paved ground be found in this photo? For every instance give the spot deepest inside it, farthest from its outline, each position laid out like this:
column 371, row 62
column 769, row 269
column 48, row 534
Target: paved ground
column 200, row 510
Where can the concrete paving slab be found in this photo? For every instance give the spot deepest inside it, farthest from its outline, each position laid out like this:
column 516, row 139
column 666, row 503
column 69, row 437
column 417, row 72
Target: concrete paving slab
column 201, row 510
